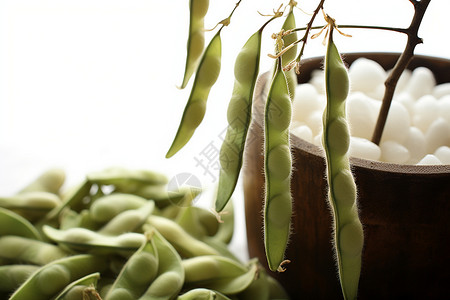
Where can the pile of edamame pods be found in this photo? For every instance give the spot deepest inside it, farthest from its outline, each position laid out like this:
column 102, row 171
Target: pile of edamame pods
column 120, row 234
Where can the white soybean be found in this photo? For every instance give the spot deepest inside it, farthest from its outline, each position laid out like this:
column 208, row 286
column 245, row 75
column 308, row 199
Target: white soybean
column 444, row 107
column 314, row 121
column 363, row 148
column 438, row 134
column 421, row 82
column 361, row 115
column 394, row 152
column 441, row 90
column 416, row 144
column 366, row 75
column 426, row 110
column 429, row 159
column 402, row 81
column 397, row 123
column 317, row 80
column 317, row 140
column 407, row 101
column 378, row 92
column 306, row 101
column 303, row 132
column 443, row 154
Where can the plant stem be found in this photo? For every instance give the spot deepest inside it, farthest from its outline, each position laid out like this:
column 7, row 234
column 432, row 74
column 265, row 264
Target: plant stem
column 403, row 61
column 305, row 37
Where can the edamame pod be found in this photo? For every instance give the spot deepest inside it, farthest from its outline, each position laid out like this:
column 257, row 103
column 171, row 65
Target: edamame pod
column 202, row 294
column 290, row 54
column 31, row 202
column 348, row 231
column 197, row 221
column 246, row 71
column 73, row 199
column 126, row 179
column 196, row 39
column 12, row 276
column 49, row 181
column 218, row 273
column 137, row 274
column 83, row 288
column 182, row 241
column 109, row 206
column 14, row 224
column 128, row 221
column 170, row 278
column 82, row 239
column 25, row 250
column 277, row 169
column 289, row 24
column 52, row 278
column 207, row 74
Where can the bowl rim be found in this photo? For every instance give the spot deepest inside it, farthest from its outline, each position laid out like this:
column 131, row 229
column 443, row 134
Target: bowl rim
column 298, row 143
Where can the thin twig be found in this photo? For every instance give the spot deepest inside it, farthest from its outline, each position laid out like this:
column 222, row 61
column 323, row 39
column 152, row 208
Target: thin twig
column 305, row 37
column 391, row 82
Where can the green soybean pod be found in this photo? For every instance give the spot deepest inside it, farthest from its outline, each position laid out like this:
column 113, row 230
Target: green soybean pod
column 128, row 221
column 14, row 224
column 289, row 24
column 37, row 201
column 208, row 268
column 277, row 169
column 137, row 274
column 202, row 294
column 207, row 74
column 170, row 277
column 83, row 288
column 72, row 199
column 183, row 242
column 290, row 54
column 25, row 250
column 49, row 181
column 52, row 278
column 196, row 39
column 125, row 179
column 12, row 276
column 239, row 113
column 197, row 221
column 109, row 206
column 88, row 241
column 348, row 231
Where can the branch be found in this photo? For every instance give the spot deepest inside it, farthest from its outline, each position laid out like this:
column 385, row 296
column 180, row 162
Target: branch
column 305, row 37
column 391, row 82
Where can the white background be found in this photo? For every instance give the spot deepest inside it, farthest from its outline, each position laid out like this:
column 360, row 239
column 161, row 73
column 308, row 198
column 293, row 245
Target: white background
column 89, row 84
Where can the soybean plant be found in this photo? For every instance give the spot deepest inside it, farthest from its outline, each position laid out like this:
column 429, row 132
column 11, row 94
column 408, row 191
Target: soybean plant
column 348, row 231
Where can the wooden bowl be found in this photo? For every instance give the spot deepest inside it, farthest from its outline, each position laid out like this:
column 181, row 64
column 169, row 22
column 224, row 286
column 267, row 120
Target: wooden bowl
column 404, row 210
